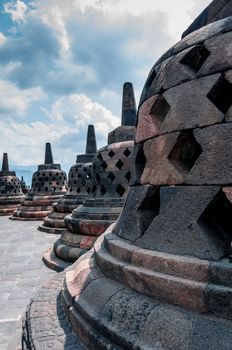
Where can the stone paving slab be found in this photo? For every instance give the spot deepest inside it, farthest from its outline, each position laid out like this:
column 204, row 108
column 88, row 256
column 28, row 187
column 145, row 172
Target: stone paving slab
column 22, row 272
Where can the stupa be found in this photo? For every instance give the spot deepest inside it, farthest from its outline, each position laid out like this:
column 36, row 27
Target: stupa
column 111, row 176
column 49, row 184
column 162, row 278
column 23, row 185
column 79, row 187
column 10, row 189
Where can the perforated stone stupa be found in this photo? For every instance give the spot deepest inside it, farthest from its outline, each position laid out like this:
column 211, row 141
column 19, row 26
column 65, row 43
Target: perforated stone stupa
column 49, row 184
column 79, row 187
column 111, row 177
column 162, row 278
column 10, row 189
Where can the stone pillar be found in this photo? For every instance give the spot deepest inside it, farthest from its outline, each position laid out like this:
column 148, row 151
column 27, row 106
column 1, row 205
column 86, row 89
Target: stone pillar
column 49, row 184
column 79, row 187
column 10, row 189
column 111, row 177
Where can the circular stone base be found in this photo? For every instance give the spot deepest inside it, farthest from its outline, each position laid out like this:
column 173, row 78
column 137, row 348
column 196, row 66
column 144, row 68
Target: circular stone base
column 45, row 325
column 19, row 218
column 53, row 230
column 53, row 262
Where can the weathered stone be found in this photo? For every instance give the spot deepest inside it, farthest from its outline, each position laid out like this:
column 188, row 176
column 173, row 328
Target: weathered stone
column 217, row 9
column 178, row 69
column 220, row 55
column 111, row 177
column 11, row 193
column 162, row 275
column 195, row 158
column 49, row 184
column 179, row 108
column 79, row 188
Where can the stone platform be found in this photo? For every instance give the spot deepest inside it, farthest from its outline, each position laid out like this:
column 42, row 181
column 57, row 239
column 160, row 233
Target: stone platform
column 21, row 274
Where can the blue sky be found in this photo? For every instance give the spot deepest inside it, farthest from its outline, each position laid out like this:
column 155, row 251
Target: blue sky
column 63, row 63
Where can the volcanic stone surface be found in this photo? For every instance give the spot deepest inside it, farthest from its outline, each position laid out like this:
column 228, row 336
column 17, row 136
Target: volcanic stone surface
column 110, row 176
column 79, row 187
column 49, row 184
column 11, row 193
column 161, row 277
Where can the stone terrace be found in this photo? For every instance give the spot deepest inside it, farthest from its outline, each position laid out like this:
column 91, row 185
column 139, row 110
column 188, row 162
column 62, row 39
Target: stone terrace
column 21, row 274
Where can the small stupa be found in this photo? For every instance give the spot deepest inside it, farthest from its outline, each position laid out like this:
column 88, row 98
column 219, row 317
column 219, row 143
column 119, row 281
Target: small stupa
column 49, row 184
column 111, row 177
column 24, row 186
column 10, row 189
column 79, row 187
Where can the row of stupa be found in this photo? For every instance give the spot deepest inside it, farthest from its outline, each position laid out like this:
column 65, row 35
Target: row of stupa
column 161, row 277
column 82, row 208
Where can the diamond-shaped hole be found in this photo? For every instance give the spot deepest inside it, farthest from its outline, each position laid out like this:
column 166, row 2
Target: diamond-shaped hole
column 120, row 190
column 97, row 177
column 150, row 79
column 221, row 94
column 111, row 153
column 102, row 190
column 139, row 164
column 186, row 151
column 128, row 176
column 104, row 165
column 99, row 156
column 78, row 190
column 119, row 164
column 111, row 176
column 160, row 108
column 195, row 57
column 216, row 222
column 127, row 152
column 79, row 176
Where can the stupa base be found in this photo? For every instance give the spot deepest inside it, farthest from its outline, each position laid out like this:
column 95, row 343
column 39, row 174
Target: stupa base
column 19, row 218
column 52, row 230
column 54, row 223
column 105, row 313
column 7, row 210
column 53, row 262
column 45, row 325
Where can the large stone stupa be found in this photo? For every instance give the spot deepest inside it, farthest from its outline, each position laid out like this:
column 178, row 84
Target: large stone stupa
column 49, row 184
column 111, row 176
column 79, row 187
column 162, row 277
column 10, row 189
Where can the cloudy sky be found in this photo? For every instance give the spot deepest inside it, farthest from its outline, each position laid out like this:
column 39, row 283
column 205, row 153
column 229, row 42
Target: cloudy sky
column 63, row 63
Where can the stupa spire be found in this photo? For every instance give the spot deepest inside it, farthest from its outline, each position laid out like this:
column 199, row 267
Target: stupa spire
column 5, row 163
column 48, row 154
column 128, row 105
column 91, row 145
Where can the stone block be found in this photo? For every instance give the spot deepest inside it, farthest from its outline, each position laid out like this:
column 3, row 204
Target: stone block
column 182, row 107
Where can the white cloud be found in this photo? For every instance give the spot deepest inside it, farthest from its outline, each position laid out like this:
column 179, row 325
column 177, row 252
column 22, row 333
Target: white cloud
column 17, row 10
column 65, row 129
column 15, row 101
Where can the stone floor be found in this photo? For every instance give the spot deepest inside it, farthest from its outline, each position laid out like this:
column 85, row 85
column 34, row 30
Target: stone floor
column 22, row 272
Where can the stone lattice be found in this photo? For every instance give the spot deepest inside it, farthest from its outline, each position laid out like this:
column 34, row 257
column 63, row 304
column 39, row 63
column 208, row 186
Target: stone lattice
column 79, row 187
column 10, row 189
column 49, row 184
column 161, row 278
column 111, row 177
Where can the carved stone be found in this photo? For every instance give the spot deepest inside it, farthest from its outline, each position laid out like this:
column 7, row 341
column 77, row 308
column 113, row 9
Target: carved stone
column 49, row 184
column 161, row 277
column 79, row 188
column 111, row 176
column 11, row 193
